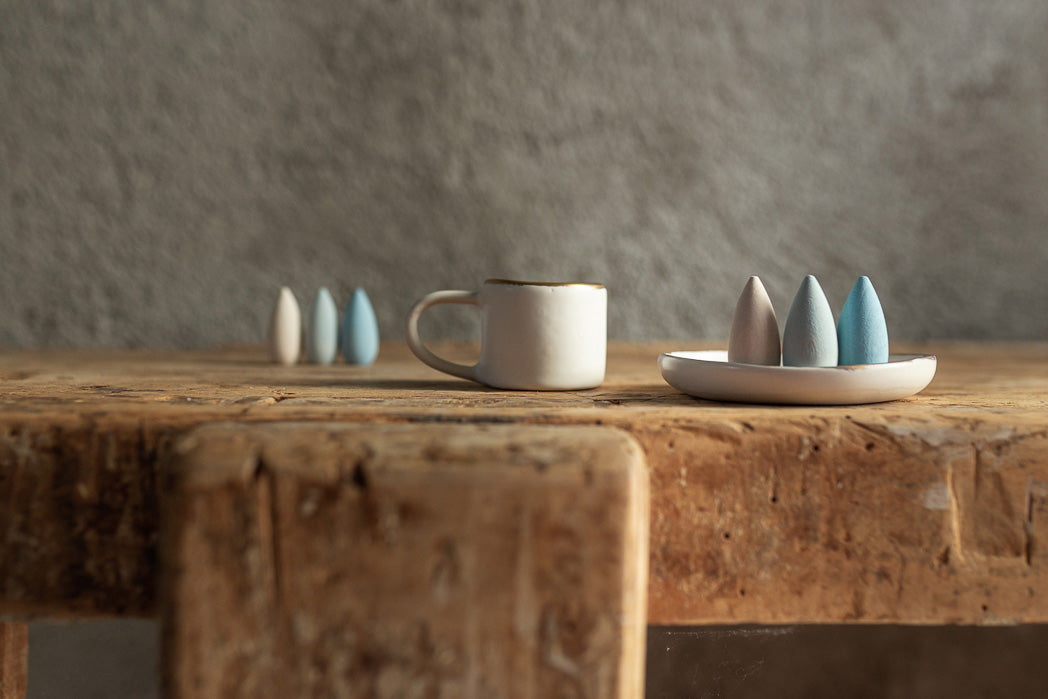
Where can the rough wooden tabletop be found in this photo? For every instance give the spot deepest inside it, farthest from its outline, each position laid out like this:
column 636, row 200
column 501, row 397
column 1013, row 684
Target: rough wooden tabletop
column 238, row 382
column 932, row 509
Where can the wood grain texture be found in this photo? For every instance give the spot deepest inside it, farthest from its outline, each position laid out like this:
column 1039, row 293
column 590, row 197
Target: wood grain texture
column 78, row 516
column 932, row 509
column 388, row 561
column 14, row 660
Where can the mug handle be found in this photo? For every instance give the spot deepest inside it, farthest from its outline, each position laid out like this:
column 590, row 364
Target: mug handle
column 468, row 298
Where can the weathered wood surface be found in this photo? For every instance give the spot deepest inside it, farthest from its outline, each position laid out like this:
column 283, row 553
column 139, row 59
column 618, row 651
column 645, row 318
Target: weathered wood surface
column 928, row 510
column 78, row 516
column 14, row 659
column 306, row 560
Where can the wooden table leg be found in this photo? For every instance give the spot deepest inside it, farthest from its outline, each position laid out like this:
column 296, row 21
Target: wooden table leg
column 14, row 645
column 404, row 560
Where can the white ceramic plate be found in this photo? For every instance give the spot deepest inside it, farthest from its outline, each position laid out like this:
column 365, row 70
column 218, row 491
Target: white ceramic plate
column 710, row 375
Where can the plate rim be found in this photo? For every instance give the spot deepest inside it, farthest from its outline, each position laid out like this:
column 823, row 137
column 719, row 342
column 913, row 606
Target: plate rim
column 700, row 361
column 893, row 361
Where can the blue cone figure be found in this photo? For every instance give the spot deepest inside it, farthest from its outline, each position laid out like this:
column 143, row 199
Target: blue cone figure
column 862, row 334
column 810, row 338
column 359, row 330
column 322, row 340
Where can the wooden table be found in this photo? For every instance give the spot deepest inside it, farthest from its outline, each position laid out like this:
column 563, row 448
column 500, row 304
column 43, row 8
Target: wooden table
column 930, row 510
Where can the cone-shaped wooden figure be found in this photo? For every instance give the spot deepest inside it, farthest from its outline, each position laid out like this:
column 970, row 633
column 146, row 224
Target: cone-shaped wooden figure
column 359, row 330
column 322, row 339
column 285, row 329
column 810, row 338
column 862, row 334
column 754, row 335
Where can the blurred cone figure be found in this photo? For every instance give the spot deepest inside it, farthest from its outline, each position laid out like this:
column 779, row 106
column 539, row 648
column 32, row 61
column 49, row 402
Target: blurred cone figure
column 285, row 329
column 359, row 330
column 322, row 339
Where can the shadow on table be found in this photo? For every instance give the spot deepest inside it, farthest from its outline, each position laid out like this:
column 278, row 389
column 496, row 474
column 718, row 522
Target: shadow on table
column 397, row 384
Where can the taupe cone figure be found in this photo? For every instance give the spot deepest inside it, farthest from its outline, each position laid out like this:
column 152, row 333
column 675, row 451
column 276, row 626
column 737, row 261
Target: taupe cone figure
column 754, row 335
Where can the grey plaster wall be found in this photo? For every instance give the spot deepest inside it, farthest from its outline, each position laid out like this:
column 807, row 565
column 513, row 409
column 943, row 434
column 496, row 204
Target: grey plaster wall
column 166, row 165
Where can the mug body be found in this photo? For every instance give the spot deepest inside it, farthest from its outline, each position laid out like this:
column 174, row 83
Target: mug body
column 539, row 336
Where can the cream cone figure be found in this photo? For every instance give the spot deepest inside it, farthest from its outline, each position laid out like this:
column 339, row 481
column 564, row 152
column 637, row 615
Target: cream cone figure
column 285, row 329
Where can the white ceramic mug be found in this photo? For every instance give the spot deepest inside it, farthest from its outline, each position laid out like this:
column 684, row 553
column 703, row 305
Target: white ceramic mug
column 535, row 335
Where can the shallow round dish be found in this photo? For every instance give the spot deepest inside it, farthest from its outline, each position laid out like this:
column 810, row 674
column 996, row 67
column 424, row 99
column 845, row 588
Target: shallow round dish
column 710, row 375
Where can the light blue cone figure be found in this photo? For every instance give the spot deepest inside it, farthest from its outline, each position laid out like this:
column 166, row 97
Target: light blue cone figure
column 359, row 330
column 810, row 338
column 862, row 334
column 322, row 340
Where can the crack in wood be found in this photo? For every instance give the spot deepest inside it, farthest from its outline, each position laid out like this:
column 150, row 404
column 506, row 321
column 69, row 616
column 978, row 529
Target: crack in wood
column 267, row 519
column 955, row 507
column 1036, row 497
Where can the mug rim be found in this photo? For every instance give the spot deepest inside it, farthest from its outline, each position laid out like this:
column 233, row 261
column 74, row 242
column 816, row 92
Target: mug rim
column 514, row 282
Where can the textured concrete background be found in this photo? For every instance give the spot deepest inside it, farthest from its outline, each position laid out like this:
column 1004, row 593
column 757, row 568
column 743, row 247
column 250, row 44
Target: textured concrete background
column 166, row 165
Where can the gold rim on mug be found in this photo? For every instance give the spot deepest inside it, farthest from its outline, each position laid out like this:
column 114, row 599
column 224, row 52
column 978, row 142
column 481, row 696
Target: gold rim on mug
column 514, row 282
